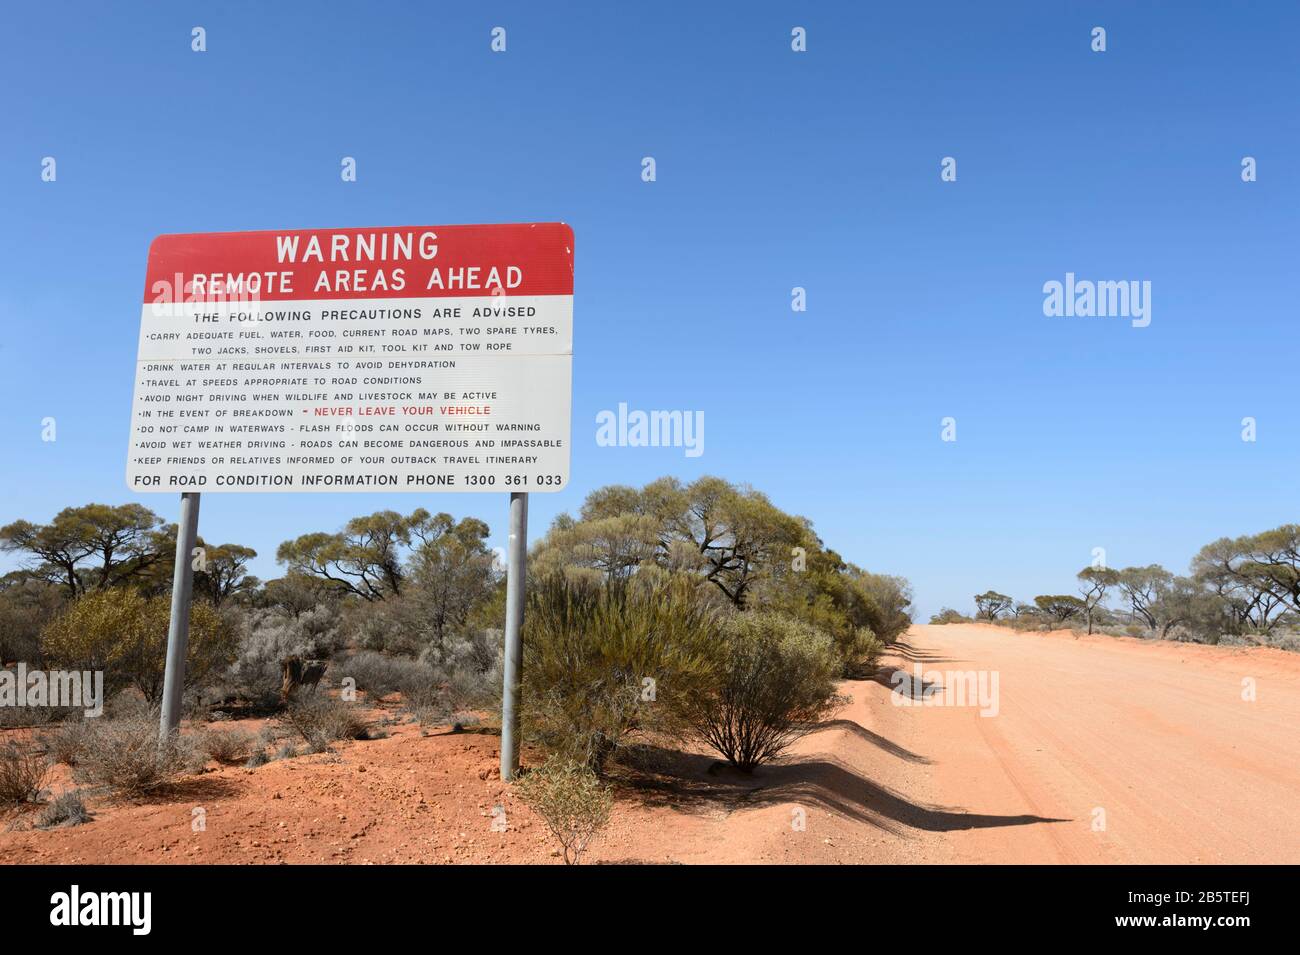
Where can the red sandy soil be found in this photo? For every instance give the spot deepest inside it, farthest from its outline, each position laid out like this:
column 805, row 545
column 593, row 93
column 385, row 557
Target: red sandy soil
column 1155, row 734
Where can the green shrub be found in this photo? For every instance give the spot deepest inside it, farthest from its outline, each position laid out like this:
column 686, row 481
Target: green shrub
column 884, row 604
column 603, row 663
column 571, row 802
column 859, row 653
column 773, row 679
column 127, row 756
column 125, row 635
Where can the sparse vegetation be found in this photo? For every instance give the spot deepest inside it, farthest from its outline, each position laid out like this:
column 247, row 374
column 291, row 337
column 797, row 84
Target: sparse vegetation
column 1059, row 607
column 1243, row 590
column 948, row 615
column 286, row 751
column 226, row 746
column 378, row 675
column 320, row 720
column 23, row 770
column 259, row 758
column 570, row 800
column 126, row 756
column 66, row 809
column 67, row 743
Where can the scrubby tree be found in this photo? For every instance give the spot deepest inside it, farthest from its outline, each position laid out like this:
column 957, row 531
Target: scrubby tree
column 1020, row 610
column 1143, row 588
column 26, row 606
column 367, row 558
column 1274, row 562
column 1094, row 583
column 861, row 612
column 225, row 573
column 295, row 593
column 452, row 573
column 735, row 541
column 610, row 548
column 1188, row 607
column 92, row 547
column 991, row 603
column 1060, row 607
column 1230, row 568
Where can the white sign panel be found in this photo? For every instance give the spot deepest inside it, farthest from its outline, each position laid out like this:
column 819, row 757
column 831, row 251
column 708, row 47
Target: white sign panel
column 418, row 358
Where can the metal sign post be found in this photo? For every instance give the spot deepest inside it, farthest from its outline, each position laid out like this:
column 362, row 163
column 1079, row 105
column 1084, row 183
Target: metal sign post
column 178, row 633
column 516, row 572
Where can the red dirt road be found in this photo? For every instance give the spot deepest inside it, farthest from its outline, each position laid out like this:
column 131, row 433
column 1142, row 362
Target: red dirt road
column 1156, row 736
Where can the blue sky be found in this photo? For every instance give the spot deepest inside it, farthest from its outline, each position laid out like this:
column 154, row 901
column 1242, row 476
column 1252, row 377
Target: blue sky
column 775, row 170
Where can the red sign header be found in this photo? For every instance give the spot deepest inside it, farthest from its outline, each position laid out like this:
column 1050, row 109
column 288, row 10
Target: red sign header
column 388, row 262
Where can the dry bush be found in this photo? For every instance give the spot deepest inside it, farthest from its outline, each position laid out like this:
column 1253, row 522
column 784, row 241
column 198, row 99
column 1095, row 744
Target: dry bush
column 67, row 809
column 23, row 769
column 127, row 756
column 67, row 744
column 287, row 751
column 270, row 636
column 773, row 680
column 226, row 746
column 321, row 720
column 23, row 717
column 378, row 675
column 571, row 802
column 259, row 758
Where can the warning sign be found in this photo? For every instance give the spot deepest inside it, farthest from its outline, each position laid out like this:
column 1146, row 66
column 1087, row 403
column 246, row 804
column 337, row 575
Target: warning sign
column 415, row 358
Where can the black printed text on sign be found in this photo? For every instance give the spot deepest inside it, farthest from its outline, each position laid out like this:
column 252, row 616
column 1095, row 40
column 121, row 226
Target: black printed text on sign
column 413, row 358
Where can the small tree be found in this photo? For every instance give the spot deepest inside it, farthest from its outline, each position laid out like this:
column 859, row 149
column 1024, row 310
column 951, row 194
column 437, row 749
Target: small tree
column 1060, row 607
column 95, row 546
column 773, row 680
column 991, row 603
column 1144, row 588
column 571, row 802
column 1093, row 584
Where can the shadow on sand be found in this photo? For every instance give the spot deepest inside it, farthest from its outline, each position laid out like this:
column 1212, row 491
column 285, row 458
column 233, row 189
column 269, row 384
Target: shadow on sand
column 699, row 783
